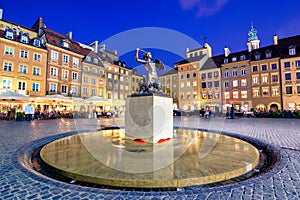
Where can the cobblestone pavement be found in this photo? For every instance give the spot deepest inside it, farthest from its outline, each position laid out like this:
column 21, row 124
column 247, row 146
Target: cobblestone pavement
column 19, row 182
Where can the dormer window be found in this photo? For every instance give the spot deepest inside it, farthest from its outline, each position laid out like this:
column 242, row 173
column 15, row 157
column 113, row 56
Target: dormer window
column 96, row 60
column 9, row 34
column 234, row 59
column 24, row 39
column 66, row 43
column 37, row 42
column 268, row 54
column 88, row 58
column 243, row 57
column 292, row 50
column 257, row 56
column 225, row 60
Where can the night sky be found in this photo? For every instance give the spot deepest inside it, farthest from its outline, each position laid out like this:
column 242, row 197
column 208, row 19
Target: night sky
column 219, row 22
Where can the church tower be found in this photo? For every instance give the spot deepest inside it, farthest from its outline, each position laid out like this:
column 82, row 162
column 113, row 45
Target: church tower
column 253, row 41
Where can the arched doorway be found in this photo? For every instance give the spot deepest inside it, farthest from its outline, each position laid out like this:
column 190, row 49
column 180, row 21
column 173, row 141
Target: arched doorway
column 274, row 106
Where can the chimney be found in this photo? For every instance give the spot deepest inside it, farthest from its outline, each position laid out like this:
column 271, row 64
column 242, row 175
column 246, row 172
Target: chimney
column 275, row 39
column 95, row 45
column 1, row 13
column 187, row 49
column 69, row 34
column 249, row 46
column 102, row 47
column 226, row 51
column 209, row 49
column 115, row 52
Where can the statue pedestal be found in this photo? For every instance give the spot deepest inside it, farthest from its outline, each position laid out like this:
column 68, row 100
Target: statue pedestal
column 149, row 118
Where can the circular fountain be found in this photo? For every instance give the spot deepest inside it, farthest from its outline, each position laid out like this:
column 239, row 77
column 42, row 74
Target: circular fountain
column 192, row 157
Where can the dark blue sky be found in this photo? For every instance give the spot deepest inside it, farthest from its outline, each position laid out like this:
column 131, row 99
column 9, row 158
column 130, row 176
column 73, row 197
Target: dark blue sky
column 222, row 22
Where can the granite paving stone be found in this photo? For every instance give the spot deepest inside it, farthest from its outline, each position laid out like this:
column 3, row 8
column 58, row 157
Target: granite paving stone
column 17, row 181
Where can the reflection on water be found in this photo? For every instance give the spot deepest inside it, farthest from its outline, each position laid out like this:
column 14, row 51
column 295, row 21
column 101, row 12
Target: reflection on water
column 190, row 154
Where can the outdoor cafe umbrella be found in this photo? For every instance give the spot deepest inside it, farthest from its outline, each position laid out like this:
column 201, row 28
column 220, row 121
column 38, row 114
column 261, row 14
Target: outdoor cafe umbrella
column 55, row 97
column 13, row 96
column 96, row 99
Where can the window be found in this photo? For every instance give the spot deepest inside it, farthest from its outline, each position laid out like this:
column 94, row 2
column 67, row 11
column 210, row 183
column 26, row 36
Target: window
column 65, row 43
column 174, row 86
column 24, row 39
column 217, row 96
column 194, row 95
column 122, row 78
column 7, row 67
column 209, row 75
column 96, row 60
column 244, row 94
column 65, row 58
column 234, row 73
column 289, row 89
column 187, row 75
column 36, row 42
column 53, row 71
column 216, row 84
column 254, row 68
column 194, row 84
column 255, row 80
column 74, row 76
column 216, row 74
column 121, row 87
column 225, row 60
column 274, row 66
column 264, row 79
column 210, row 95
column 268, row 54
column 9, row 50
column 265, row 92
column 203, row 76
column 101, row 93
column 275, row 91
column 243, row 57
column 235, row 83
column 297, row 75
column 244, row 71
column 93, row 91
column 74, row 90
column 288, row 76
column 204, row 96
column 287, row 64
column 75, row 61
column 9, row 34
column 35, row 87
column 86, row 79
column 54, row 55
column 88, row 58
column 109, row 95
column 244, row 82
column 255, row 92
column 126, row 80
column 188, row 84
column 126, row 87
column 264, row 68
column 65, row 74
column 6, row 84
column 226, row 84
column 94, row 70
column 174, row 78
column 94, row 81
column 36, row 71
column 22, row 85
column 194, row 75
column 24, row 54
column 64, row 89
column 209, row 84
column 23, row 69
column 292, row 50
column 297, row 63
column 233, row 59
column 37, row 57
column 298, row 89
column 257, row 56
column 225, row 74
column 204, row 85
column 109, row 75
column 227, row 95
column 274, row 78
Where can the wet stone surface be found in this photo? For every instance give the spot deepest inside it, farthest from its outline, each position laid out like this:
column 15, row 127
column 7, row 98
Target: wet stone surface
column 18, row 182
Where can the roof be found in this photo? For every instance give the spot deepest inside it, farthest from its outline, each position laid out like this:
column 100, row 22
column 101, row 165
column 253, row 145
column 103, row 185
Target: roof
column 31, row 29
column 18, row 37
column 285, row 43
column 189, row 60
column 55, row 39
column 209, row 64
column 170, row 72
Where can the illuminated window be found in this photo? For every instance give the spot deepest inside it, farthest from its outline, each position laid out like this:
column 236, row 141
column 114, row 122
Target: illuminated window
column 235, row 83
column 244, row 82
column 244, row 94
column 235, row 94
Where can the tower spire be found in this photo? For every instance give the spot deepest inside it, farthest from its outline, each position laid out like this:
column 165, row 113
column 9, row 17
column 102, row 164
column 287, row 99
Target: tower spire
column 253, row 38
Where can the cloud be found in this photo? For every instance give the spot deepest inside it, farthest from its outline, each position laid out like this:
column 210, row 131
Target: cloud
column 203, row 7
